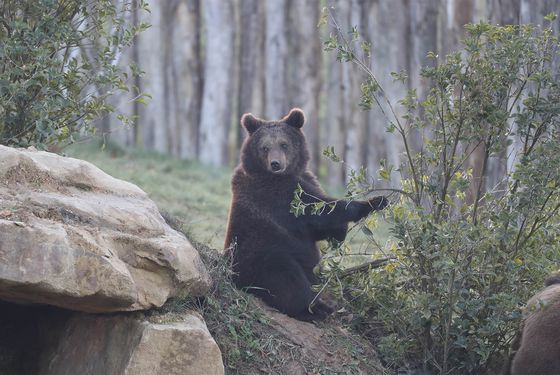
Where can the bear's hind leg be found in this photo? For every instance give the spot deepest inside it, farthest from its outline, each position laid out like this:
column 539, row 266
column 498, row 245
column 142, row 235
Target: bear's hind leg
column 282, row 284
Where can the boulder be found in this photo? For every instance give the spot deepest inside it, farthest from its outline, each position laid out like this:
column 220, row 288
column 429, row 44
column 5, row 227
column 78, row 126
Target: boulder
column 94, row 344
column 74, row 237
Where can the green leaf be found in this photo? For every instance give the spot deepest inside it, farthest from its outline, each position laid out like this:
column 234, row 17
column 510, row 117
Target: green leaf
column 550, row 17
column 323, row 17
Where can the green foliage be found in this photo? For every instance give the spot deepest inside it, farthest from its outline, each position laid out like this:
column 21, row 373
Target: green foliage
column 467, row 254
column 298, row 207
column 59, row 64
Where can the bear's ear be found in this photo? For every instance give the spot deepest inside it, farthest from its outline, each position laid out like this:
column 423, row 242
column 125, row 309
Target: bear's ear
column 250, row 123
column 295, row 118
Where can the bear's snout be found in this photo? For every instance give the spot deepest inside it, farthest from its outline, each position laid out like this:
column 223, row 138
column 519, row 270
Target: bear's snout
column 276, row 160
column 275, row 165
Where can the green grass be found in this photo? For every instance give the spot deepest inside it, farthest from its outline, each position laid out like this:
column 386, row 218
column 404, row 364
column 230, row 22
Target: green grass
column 198, row 196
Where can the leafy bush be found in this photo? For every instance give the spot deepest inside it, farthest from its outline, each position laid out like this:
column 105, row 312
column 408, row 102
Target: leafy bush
column 59, row 64
column 466, row 256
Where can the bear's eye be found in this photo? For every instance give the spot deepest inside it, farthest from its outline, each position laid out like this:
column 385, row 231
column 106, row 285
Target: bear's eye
column 265, row 148
column 284, row 146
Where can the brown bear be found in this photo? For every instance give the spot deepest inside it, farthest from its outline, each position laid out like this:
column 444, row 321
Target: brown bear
column 539, row 349
column 275, row 252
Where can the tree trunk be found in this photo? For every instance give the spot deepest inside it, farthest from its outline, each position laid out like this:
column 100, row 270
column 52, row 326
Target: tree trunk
column 305, row 69
column 334, row 134
column 184, row 77
column 333, row 124
column 215, row 119
column 355, row 120
column 504, row 12
column 152, row 118
column 424, row 39
column 276, row 94
column 123, row 102
column 454, row 15
column 251, row 59
column 391, row 53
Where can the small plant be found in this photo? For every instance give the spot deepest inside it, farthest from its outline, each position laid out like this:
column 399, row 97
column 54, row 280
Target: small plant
column 59, row 62
column 467, row 255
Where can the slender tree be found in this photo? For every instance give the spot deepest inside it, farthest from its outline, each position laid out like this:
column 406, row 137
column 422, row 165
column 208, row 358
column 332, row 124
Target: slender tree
column 333, row 133
column 276, row 45
column 305, row 69
column 251, row 59
column 355, row 119
column 184, row 77
column 390, row 53
column 153, row 119
column 217, row 95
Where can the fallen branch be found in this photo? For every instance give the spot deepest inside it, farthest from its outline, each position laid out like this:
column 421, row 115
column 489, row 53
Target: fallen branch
column 376, row 263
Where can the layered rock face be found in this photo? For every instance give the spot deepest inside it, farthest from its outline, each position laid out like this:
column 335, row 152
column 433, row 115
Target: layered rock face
column 76, row 238
column 124, row 345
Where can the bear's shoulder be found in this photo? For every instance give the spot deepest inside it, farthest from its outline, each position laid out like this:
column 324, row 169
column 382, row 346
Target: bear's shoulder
column 309, row 183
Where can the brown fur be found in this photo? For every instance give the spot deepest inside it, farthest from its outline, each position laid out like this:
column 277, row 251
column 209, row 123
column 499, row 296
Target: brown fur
column 274, row 252
column 539, row 350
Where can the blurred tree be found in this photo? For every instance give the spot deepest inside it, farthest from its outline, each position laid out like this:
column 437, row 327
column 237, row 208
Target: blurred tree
column 217, row 97
column 333, row 124
column 274, row 63
column 355, row 119
column 304, row 71
column 277, row 58
column 151, row 58
column 251, row 59
column 390, row 53
column 184, row 76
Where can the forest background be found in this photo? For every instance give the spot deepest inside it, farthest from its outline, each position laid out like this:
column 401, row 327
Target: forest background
column 468, row 139
column 206, row 63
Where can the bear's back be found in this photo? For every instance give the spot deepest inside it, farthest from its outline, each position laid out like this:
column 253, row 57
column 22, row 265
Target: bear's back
column 539, row 352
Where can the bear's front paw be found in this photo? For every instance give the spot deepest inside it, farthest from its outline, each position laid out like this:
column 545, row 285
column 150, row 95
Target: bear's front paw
column 320, row 310
column 323, row 307
column 378, row 203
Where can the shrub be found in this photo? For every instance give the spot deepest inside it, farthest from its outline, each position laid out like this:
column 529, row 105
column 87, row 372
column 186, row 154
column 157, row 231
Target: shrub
column 466, row 257
column 59, row 64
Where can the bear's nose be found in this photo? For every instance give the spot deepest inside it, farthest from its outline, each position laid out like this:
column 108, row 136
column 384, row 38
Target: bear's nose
column 275, row 165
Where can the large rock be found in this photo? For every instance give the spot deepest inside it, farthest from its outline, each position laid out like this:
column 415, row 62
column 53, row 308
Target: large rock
column 75, row 237
column 115, row 345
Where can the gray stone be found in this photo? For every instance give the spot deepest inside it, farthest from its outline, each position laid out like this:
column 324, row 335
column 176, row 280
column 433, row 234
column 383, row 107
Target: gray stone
column 116, row 345
column 74, row 237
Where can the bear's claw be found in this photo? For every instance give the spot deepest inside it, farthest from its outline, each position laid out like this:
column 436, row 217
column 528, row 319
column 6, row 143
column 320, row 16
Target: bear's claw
column 378, row 203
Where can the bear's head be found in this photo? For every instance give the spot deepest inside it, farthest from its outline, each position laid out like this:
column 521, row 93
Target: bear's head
column 275, row 147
